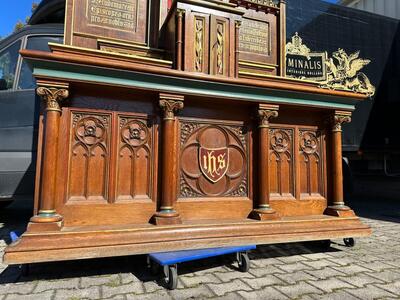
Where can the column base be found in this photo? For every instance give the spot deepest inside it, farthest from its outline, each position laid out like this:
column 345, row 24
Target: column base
column 168, row 217
column 341, row 211
column 264, row 214
column 45, row 221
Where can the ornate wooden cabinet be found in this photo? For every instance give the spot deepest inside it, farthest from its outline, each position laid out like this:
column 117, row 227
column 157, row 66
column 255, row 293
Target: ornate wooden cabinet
column 182, row 146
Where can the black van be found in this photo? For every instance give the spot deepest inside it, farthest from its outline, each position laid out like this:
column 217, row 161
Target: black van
column 19, row 107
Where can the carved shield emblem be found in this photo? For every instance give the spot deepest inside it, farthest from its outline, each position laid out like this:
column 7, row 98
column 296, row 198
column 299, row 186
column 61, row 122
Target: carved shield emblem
column 214, row 163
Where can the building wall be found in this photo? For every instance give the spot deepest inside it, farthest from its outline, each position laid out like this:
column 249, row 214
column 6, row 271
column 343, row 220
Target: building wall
column 389, row 8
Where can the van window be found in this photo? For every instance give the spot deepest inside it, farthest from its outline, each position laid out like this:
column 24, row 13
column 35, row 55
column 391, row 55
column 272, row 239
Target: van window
column 8, row 64
column 26, row 80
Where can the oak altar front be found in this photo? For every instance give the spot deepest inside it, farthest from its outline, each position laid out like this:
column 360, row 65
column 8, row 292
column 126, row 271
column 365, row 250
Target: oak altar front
column 181, row 136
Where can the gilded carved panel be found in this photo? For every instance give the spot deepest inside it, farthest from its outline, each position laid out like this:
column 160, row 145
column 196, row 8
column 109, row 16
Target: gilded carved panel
column 213, row 160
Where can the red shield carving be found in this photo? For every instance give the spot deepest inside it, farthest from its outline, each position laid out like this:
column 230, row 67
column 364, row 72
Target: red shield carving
column 214, row 163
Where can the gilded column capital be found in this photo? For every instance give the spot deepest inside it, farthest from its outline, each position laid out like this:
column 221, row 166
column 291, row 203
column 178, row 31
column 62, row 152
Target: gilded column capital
column 52, row 97
column 238, row 23
column 265, row 113
column 180, row 13
column 339, row 118
column 171, row 104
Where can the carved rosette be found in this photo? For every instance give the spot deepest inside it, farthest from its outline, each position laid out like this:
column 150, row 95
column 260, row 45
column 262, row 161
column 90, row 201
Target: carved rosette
column 134, row 133
column 338, row 119
column 280, row 140
column 265, row 116
column 52, row 97
column 309, row 142
column 90, row 130
column 170, row 107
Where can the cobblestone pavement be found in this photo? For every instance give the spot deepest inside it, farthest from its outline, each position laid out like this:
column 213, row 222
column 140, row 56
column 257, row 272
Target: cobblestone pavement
column 370, row 270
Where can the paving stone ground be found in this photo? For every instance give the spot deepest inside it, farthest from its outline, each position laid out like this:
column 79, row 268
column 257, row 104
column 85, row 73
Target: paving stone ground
column 370, row 270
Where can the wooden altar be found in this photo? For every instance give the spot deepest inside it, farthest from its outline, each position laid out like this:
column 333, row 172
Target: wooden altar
column 175, row 128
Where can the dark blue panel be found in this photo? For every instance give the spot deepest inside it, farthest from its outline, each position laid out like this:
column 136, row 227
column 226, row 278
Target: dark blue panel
column 170, row 258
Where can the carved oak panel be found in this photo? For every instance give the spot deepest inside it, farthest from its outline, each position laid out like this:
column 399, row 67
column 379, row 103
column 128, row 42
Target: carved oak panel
column 311, row 163
column 282, row 162
column 134, row 159
column 213, row 160
column 89, row 157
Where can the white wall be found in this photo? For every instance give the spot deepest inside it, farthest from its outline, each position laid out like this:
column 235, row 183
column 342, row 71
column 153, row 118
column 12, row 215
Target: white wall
column 390, row 8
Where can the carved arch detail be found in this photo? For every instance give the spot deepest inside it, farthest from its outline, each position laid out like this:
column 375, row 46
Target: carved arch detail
column 89, row 157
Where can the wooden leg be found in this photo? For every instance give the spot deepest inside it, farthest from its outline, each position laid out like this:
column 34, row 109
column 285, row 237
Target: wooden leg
column 337, row 207
column 264, row 211
column 167, row 214
column 47, row 217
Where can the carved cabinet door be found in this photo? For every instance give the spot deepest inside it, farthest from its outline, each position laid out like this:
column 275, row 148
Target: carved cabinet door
column 108, row 167
column 297, row 169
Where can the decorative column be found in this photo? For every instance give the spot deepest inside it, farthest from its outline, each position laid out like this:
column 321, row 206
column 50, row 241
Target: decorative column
column 282, row 30
column 179, row 41
column 264, row 211
column 337, row 206
column 166, row 215
column 52, row 95
column 237, row 45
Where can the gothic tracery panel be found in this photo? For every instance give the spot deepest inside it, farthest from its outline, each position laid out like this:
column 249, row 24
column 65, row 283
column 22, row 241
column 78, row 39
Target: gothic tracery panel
column 281, row 162
column 89, row 157
column 311, row 163
column 134, row 171
column 213, row 160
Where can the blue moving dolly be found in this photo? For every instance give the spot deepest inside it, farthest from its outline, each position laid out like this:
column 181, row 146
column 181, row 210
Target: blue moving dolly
column 169, row 260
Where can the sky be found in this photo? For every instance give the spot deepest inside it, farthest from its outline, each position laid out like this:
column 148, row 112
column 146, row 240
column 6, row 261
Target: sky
column 11, row 12
column 15, row 10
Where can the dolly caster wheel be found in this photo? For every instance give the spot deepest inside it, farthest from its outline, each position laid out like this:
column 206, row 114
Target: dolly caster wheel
column 349, row 242
column 243, row 262
column 171, row 276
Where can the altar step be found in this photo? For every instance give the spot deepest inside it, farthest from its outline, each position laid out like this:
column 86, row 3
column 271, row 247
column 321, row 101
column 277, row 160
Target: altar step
column 105, row 241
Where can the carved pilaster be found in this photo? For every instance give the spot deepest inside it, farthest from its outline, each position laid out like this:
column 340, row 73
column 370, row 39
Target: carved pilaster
column 263, row 210
column 238, row 24
column 166, row 213
column 52, row 95
column 179, row 41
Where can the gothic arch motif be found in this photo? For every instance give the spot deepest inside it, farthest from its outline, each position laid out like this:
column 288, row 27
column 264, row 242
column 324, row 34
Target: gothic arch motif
column 89, row 157
column 311, row 167
column 134, row 171
column 281, row 162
